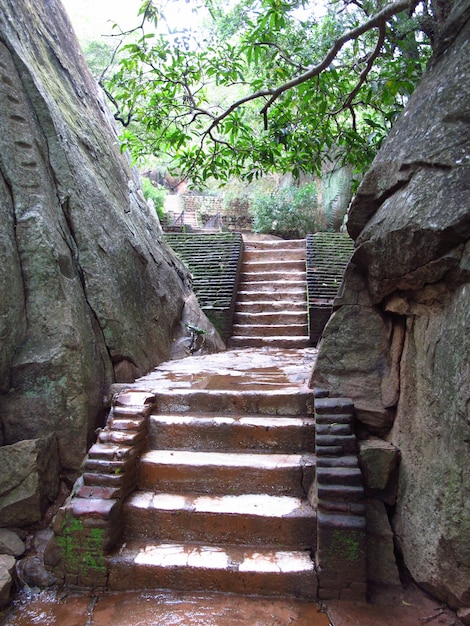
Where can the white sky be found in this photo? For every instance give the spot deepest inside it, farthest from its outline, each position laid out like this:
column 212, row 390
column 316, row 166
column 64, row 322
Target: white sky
column 92, row 18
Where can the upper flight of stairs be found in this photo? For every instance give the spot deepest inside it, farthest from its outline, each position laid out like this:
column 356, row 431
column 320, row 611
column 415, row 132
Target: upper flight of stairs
column 222, row 496
column 271, row 308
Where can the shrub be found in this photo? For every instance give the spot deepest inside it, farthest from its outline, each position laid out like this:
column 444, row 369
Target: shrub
column 290, row 213
column 155, row 194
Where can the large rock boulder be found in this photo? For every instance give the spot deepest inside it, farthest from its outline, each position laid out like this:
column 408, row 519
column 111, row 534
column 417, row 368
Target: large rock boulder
column 90, row 292
column 409, row 275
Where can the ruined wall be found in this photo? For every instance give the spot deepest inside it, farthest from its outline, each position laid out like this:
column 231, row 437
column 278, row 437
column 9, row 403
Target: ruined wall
column 399, row 341
column 90, row 293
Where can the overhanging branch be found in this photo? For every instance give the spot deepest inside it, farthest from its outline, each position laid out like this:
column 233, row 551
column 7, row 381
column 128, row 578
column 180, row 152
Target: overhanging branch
column 380, row 18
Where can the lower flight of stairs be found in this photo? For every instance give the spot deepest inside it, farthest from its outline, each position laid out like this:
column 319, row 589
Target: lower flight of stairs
column 271, row 307
column 222, row 498
column 207, row 479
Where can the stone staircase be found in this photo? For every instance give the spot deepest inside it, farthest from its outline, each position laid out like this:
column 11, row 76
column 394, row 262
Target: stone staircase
column 220, row 473
column 271, row 308
column 221, row 502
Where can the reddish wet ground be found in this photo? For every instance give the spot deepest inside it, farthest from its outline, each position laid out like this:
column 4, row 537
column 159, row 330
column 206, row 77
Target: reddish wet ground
column 163, row 609
column 388, row 607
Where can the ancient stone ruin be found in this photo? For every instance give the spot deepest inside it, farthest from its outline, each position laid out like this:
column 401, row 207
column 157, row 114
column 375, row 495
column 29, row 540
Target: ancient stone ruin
column 92, row 295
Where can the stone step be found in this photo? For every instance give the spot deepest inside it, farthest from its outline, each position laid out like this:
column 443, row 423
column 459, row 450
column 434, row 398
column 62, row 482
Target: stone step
column 251, row 519
column 265, row 244
column 288, row 400
column 233, row 569
column 227, row 473
column 259, row 265
column 272, row 318
column 282, row 297
column 340, row 492
column 273, row 275
column 269, row 330
column 272, row 306
column 277, row 286
column 230, row 433
column 274, row 257
column 339, row 476
column 270, row 342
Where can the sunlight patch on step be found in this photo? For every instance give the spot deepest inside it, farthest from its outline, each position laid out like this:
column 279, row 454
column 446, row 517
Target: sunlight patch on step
column 264, row 422
column 244, row 504
column 224, row 459
column 174, row 555
column 277, row 562
column 248, row 504
column 211, row 557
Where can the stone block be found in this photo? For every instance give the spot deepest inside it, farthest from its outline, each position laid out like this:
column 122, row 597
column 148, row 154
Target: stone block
column 381, row 564
column 378, row 459
column 7, row 565
column 29, row 480
column 10, row 543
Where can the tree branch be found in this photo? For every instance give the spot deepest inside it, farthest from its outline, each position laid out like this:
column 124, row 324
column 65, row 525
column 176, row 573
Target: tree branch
column 363, row 75
column 283, row 55
column 273, row 94
column 381, row 17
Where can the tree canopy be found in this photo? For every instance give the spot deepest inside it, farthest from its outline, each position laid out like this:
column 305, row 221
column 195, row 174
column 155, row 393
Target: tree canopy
column 268, row 85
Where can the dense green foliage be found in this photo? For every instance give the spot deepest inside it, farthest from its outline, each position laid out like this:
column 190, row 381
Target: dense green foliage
column 290, row 213
column 155, row 194
column 267, row 85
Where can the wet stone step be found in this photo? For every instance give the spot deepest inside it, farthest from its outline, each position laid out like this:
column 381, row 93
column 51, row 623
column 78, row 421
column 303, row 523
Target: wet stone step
column 273, row 306
column 298, row 295
column 338, row 461
column 251, row 399
column 333, row 406
column 274, row 342
column 248, row 276
column 276, row 317
column 231, row 433
column 232, row 569
column 293, row 264
column 329, row 419
column 340, row 492
column 342, row 507
column 335, row 428
column 268, row 330
column 279, row 255
column 347, row 443
column 227, row 473
column 249, row 519
column 339, row 475
column 280, row 286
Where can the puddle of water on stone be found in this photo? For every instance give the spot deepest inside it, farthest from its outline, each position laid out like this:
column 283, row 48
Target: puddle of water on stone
column 161, row 609
column 257, row 379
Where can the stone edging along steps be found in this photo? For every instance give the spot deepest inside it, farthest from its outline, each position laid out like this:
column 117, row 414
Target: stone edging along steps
column 248, row 492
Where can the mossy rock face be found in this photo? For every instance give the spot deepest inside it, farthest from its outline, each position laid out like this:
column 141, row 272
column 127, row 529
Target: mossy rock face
column 90, row 292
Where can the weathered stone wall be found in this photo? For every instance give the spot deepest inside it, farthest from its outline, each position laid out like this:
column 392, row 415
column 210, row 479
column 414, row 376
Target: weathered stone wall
column 399, row 341
column 90, row 294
